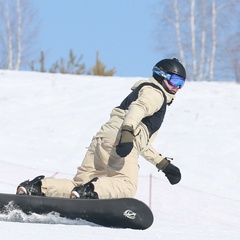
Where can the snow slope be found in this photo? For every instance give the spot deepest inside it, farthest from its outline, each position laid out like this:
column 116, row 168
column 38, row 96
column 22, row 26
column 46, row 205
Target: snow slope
column 48, row 120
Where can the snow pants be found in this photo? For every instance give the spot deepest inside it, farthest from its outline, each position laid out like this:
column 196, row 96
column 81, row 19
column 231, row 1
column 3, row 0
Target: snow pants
column 117, row 177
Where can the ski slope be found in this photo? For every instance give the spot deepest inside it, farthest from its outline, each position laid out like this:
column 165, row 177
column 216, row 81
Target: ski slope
column 48, row 120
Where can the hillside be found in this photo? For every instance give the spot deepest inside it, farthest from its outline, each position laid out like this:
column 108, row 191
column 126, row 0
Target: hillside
column 48, row 120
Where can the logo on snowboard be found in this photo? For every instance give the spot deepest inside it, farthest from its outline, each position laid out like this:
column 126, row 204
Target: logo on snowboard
column 130, row 214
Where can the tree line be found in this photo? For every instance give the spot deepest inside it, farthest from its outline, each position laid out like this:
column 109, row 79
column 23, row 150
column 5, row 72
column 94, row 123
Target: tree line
column 73, row 65
column 204, row 34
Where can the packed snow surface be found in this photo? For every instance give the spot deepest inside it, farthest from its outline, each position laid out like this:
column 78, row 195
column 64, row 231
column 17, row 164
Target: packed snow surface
column 48, row 120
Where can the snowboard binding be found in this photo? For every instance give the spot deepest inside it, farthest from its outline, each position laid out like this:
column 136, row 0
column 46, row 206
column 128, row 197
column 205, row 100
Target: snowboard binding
column 85, row 191
column 32, row 187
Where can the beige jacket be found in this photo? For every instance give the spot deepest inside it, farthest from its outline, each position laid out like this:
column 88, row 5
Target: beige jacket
column 148, row 102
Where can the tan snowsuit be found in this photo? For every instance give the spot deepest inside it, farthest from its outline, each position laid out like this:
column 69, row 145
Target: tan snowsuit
column 117, row 177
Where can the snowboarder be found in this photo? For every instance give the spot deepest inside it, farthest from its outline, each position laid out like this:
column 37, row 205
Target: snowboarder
column 110, row 167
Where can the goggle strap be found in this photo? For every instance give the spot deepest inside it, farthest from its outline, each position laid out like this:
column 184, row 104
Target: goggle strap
column 161, row 73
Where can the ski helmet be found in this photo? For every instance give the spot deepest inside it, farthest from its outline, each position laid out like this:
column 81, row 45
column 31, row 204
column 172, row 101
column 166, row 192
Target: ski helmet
column 170, row 66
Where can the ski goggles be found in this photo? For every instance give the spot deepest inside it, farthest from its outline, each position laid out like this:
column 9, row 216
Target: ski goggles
column 173, row 79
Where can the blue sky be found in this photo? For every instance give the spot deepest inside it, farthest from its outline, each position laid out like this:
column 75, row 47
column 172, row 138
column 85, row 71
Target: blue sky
column 122, row 31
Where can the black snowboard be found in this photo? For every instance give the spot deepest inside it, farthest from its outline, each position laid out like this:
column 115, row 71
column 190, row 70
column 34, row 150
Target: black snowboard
column 116, row 213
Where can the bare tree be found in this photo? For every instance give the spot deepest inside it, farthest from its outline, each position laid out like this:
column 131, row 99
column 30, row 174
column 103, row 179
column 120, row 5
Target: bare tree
column 214, row 39
column 193, row 38
column 18, row 27
column 232, row 44
column 203, row 42
column 178, row 31
column 234, row 54
column 201, row 31
column 19, row 34
column 7, row 38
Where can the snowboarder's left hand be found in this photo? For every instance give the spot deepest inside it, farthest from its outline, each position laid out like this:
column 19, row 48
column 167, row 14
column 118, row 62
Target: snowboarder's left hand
column 125, row 144
column 172, row 172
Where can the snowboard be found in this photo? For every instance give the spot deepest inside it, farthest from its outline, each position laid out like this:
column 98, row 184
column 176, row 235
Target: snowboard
column 115, row 213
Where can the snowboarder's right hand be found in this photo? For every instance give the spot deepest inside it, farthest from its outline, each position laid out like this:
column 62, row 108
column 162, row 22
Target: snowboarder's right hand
column 125, row 144
column 172, row 172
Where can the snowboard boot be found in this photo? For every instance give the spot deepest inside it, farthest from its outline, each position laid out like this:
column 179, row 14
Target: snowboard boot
column 85, row 191
column 32, row 187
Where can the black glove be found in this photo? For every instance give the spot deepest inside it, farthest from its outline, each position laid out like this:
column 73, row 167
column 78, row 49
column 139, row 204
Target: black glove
column 172, row 172
column 125, row 144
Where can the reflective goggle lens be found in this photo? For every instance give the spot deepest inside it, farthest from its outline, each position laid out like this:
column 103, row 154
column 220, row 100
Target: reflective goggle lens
column 176, row 81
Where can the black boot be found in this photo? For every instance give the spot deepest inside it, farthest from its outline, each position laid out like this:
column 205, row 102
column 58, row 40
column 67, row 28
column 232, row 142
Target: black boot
column 32, row 187
column 85, row 191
